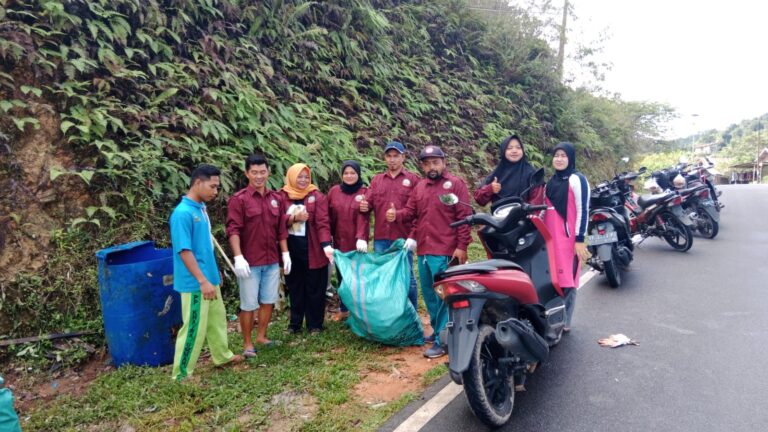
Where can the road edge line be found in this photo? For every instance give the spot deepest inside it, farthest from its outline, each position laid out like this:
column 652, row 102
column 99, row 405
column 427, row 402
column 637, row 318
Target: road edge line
column 429, row 410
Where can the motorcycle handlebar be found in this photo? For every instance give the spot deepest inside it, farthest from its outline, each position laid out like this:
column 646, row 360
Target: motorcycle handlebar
column 461, row 222
column 484, row 219
column 535, row 207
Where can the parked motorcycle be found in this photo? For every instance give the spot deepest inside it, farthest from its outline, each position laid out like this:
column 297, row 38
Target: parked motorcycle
column 610, row 239
column 506, row 312
column 702, row 172
column 661, row 215
column 696, row 193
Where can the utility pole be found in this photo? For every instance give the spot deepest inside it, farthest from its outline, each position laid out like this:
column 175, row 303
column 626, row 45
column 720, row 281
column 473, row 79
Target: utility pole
column 561, row 53
column 758, row 167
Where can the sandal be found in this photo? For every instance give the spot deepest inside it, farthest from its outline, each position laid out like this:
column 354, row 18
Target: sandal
column 249, row 353
column 269, row 343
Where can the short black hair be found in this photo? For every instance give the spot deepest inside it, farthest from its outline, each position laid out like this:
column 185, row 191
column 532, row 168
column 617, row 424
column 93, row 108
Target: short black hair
column 203, row 172
column 255, row 159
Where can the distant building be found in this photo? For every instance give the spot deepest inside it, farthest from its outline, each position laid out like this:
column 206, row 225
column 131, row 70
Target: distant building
column 704, row 148
column 751, row 172
column 489, row 7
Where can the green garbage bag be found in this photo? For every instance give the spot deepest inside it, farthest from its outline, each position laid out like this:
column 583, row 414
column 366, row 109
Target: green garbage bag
column 374, row 288
column 9, row 421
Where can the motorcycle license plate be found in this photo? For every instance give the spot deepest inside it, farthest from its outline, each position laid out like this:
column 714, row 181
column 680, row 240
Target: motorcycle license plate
column 598, row 239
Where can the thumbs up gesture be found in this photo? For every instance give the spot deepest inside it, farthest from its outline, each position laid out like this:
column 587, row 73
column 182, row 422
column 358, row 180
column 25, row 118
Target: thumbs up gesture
column 391, row 213
column 495, row 185
column 364, row 205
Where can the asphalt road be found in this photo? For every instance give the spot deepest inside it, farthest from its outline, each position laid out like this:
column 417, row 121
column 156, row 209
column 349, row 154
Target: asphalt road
column 701, row 319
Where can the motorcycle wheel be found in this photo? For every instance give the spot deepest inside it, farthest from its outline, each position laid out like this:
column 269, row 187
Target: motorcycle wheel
column 708, row 227
column 676, row 233
column 612, row 273
column 488, row 385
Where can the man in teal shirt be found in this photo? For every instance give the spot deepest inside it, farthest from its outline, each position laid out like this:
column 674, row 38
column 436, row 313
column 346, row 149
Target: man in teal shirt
column 196, row 277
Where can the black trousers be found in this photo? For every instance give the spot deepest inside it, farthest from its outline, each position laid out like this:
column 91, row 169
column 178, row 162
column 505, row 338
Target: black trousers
column 306, row 290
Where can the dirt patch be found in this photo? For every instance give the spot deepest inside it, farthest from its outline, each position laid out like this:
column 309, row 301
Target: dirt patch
column 404, row 373
column 32, row 205
column 289, row 410
column 31, row 391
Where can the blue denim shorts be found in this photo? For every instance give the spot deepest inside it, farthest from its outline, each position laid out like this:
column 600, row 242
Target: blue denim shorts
column 261, row 287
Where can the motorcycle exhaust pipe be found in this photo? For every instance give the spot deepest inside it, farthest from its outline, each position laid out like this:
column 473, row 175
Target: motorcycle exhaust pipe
column 521, row 339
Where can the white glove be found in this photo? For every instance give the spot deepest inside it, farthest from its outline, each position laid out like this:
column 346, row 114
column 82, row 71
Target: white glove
column 242, row 269
column 287, row 263
column 328, row 253
column 361, row 246
column 410, row 244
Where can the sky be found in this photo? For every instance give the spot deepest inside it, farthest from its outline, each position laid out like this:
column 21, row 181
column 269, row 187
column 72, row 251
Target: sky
column 707, row 59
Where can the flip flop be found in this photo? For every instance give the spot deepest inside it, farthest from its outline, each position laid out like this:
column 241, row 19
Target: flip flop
column 269, row 344
column 249, row 353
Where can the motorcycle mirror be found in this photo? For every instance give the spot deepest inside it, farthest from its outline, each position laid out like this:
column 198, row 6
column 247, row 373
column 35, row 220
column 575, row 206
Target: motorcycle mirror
column 538, row 177
column 449, row 199
column 642, row 170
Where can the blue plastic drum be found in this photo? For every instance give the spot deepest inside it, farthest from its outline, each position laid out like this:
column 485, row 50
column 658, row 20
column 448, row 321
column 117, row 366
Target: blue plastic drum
column 141, row 310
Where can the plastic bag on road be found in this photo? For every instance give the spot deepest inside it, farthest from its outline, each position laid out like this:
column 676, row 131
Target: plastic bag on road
column 375, row 290
column 617, row 340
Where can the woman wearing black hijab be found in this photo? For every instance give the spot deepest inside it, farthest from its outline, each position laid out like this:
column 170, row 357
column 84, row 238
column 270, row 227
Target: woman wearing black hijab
column 511, row 176
column 567, row 199
column 349, row 227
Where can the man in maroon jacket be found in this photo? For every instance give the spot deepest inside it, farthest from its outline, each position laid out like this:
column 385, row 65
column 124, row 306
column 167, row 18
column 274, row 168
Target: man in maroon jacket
column 438, row 243
column 256, row 227
column 392, row 187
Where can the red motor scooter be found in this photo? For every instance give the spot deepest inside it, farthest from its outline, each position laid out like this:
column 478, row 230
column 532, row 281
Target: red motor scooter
column 506, row 312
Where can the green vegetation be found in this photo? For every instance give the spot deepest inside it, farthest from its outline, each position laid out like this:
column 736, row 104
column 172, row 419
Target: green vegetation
column 305, row 375
column 738, row 143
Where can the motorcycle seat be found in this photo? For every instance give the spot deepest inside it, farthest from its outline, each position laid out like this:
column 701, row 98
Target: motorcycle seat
column 646, row 201
column 693, row 189
column 486, row 266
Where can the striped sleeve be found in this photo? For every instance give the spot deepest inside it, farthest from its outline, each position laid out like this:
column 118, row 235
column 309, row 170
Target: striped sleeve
column 580, row 188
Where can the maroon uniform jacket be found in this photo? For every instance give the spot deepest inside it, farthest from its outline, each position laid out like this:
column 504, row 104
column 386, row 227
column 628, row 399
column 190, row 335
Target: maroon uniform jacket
column 434, row 236
column 318, row 228
column 383, row 191
column 484, row 194
column 347, row 223
column 259, row 221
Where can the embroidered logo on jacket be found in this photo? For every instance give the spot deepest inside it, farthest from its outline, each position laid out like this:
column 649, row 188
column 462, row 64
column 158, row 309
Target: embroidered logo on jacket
column 447, row 185
column 311, row 199
column 273, row 203
column 358, row 198
column 406, row 183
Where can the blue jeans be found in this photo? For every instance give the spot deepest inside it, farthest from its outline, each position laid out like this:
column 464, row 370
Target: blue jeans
column 380, row 246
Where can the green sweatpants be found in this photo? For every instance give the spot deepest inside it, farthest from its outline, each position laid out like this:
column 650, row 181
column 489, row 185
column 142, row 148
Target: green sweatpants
column 204, row 320
column 429, row 266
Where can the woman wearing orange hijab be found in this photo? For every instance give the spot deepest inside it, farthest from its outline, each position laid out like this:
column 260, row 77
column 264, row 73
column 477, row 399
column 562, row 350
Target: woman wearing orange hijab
column 309, row 244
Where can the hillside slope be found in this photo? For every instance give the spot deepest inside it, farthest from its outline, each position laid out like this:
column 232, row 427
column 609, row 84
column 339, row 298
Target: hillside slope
column 108, row 104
